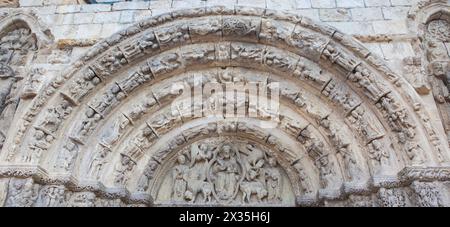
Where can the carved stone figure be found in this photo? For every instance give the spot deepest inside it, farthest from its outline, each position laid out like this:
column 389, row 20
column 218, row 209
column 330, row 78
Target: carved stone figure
column 378, row 155
column 98, row 162
column 179, row 176
column 32, row 83
column 304, row 179
column 328, row 177
column 81, row 199
column 225, row 172
column 249, row 188
column 89, row 123
column 40, row 143
column 8, row 104
column 51, row 196
column 21, row 193
column 342, row 146
column 273, row 181
column 66, row 158
column 125, row 165
column 149, row 170
column 56, row 115
column 15, row 46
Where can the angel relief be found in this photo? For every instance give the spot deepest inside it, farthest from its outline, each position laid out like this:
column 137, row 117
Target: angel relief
column 226, row 173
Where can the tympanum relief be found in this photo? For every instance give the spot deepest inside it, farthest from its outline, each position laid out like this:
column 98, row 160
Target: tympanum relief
column 225, row 172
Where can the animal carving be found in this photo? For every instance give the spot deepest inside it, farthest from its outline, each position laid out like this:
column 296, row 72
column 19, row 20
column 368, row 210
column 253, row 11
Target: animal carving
column 196, row 186
column 254, row 154
column 250, row 188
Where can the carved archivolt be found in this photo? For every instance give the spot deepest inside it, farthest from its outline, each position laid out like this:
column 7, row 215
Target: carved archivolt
column 109, row 131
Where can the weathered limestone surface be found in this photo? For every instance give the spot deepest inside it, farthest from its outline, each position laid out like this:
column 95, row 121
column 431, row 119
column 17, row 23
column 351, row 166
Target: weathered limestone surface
column 117, row 103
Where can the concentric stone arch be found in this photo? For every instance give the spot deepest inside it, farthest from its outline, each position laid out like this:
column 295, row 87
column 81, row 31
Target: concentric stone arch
column 120, row 68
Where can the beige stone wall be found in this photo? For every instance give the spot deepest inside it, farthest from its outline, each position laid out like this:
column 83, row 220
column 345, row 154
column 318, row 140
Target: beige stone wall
column 356, row 17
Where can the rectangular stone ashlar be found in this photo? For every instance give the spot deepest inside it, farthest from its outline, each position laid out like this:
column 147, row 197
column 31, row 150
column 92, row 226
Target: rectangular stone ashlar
column 241, row 28
column 204, row 29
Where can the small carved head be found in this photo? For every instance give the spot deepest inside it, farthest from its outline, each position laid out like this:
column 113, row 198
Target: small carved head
column 272, row 162
column 181, row 159
column 39, row 134
column 226, row 150
column 438, row 69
